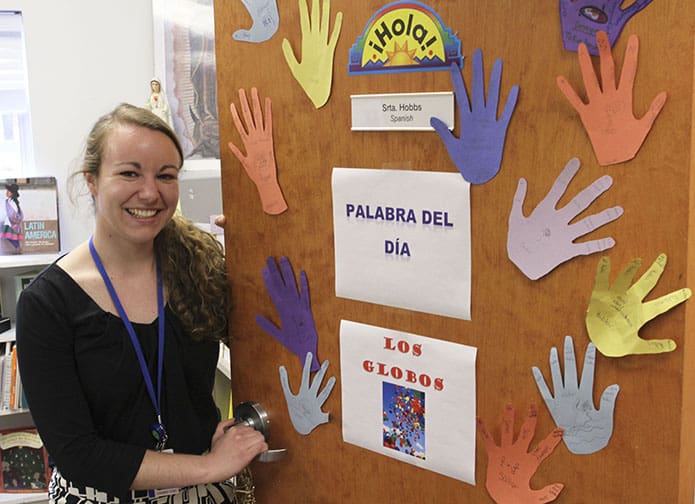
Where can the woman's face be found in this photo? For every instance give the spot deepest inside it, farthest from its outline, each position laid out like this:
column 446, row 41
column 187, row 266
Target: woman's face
column 136, row 190
column 155, row 86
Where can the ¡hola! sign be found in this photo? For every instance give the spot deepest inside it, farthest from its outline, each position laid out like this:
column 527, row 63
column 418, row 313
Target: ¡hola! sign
column 404, row 37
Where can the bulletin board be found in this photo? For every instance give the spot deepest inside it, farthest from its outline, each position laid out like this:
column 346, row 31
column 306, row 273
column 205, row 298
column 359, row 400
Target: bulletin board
column 515, row 321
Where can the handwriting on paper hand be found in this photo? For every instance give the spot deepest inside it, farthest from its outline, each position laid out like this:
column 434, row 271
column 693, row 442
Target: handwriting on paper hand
column 586, row 429
column 477, row 153
column 265, row 18
column 615, row 133
column 537, row 244
column 305, row 406
column 259, row 160
column 616, row 312
column 298, row 332
column 315, row 72
column 510, row 466
column 581, row 20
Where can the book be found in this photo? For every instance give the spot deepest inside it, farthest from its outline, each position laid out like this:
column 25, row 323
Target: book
column 29, row 216
column 13, row 379
column 24, row 461
column 6, row 378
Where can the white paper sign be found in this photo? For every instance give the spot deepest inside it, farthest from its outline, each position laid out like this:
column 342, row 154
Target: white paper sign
column 401, row 111
column 402, row 238
column 409, row 397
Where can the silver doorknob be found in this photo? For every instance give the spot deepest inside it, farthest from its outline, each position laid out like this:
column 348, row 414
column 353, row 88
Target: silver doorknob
column 254, row 415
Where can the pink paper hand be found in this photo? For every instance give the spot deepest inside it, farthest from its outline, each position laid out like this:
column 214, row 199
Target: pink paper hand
column 510, row 466
column 259, row 160
column 615, row 133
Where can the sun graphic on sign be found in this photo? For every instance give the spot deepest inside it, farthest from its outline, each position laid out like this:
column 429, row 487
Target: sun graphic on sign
column 401, row 55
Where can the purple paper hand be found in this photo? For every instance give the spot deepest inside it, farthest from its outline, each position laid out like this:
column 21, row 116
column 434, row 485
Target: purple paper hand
column 581, row 19
column 298, row 331
column 478, row 152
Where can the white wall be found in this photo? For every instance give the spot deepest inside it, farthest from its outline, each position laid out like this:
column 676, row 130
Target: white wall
column 83, row 58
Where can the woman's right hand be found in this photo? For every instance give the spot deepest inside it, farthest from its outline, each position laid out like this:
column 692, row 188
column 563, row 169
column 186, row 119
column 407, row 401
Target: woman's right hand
column 234, row 448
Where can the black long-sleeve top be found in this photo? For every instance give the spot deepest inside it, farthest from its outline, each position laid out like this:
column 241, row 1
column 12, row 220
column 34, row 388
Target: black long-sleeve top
column 86, row 392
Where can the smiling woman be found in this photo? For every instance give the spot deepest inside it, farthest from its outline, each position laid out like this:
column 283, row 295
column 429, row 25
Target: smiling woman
column 135, row 316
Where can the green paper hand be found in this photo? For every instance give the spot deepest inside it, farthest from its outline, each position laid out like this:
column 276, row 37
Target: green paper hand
column 616, row 313
column 315, row 72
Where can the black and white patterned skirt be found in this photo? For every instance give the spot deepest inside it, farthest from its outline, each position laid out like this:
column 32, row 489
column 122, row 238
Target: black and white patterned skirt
column 236, row 491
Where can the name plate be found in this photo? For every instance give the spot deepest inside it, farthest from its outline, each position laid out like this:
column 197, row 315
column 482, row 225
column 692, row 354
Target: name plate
column 402, row 111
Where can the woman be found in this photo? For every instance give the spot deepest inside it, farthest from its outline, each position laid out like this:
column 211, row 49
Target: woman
column 158, row 102
column 110, row 400
column 12, row 226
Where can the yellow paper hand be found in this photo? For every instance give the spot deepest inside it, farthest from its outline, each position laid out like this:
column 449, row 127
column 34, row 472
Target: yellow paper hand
column 315, row 72
column 259, row 161
column 616, row 313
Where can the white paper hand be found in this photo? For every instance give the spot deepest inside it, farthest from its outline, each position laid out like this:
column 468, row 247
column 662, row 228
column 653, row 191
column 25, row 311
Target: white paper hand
column 586, row 429
column 305, row 407
column 537, row 244
column 265, row 17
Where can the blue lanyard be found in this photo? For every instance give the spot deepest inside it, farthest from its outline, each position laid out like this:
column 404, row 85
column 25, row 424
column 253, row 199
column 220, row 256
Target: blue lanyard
column 158, row 431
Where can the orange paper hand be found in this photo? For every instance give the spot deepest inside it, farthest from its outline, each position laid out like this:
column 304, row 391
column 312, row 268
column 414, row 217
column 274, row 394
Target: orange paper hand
column 615, row 133
column 259, row 161
column 510, row 466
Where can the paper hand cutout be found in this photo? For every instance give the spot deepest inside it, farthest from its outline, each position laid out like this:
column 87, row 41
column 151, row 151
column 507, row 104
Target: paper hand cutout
column 581, row 20
column 615, row 133
column 537, row 244
column 616, row 312
column 315, row 72
column 265, row 17
column 305, row 407
column 510, row 466
column 298, row 333
column 259, row 161
column 477, row 154
column 586, row 430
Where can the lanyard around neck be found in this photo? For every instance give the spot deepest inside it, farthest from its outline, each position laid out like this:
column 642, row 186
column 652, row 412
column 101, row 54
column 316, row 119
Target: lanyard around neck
column 133, row 337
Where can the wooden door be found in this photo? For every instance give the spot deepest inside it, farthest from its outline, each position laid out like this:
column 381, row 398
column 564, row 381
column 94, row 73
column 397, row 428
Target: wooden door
column 515, row 321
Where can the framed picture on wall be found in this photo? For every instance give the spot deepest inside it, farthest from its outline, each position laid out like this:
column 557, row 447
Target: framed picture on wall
column 184, row 47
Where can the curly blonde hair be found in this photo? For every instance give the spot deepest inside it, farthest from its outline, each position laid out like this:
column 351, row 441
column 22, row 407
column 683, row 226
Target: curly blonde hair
column 192, row 263
column 191, row 260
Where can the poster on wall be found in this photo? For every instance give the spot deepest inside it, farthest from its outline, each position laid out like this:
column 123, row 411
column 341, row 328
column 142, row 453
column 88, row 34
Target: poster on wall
column 29, row 216
column 184, row 47
column 405, row 36
column 409, row 397
column 402, row 238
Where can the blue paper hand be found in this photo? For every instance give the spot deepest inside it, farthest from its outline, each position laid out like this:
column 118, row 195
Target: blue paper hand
column 586, row 429
column 305, row 406
column 298, row 331
column 477, row 154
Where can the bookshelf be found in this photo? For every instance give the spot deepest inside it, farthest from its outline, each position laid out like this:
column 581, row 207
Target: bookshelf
column 12, row 266
column 17, row 498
